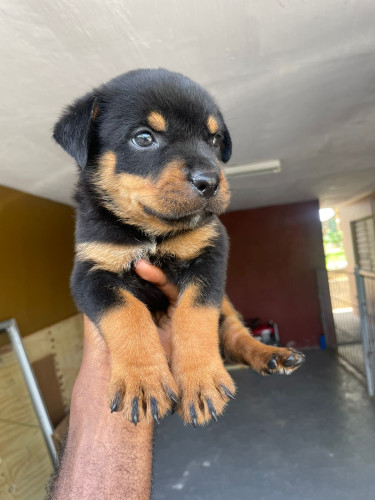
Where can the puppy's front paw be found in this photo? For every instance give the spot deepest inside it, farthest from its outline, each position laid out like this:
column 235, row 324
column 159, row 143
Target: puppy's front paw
column 204, row 389
column 142, row 392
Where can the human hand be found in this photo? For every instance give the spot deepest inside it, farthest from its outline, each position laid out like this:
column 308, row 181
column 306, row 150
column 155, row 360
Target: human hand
column 163, row 322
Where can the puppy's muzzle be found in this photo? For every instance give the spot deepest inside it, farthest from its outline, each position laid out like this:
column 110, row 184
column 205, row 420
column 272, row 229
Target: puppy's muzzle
column 206, row 183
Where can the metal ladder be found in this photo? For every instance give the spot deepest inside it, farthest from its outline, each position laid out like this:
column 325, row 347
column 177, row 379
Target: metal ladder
column 11, row 328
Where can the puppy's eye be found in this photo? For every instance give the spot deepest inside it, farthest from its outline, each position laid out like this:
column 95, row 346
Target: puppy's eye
column 216, row 140
column 143, row 139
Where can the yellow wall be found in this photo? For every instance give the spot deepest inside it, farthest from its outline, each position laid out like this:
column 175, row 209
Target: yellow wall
column 36, row 257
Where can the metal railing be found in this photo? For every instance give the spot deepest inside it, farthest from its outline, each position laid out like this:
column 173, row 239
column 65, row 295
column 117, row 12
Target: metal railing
column 365, row 281
column 11, row 328
column 348, row 318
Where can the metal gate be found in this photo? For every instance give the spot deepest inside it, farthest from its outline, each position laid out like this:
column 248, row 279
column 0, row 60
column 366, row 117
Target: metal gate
column 348, row 317
column 365, row 281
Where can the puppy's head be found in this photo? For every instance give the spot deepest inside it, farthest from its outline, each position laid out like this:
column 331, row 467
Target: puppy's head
column 151, row 144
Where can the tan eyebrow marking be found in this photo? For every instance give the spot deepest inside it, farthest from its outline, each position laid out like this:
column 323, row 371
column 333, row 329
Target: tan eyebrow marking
column 212, row 125
column 157, row 121
column 95, row 112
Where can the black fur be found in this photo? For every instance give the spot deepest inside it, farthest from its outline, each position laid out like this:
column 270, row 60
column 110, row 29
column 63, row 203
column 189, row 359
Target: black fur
column 72, row 131
column 106, row 119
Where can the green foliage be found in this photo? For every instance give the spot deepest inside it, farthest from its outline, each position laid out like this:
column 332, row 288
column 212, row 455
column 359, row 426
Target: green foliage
column 331, row 233
column 334, row 259
column 333, row 237
column 333, row 245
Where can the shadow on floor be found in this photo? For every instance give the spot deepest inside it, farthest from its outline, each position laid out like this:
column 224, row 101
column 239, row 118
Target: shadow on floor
column 310, row 436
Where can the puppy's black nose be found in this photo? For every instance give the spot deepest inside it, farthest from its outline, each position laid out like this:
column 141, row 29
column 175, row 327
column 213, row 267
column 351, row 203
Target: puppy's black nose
column 206, row 183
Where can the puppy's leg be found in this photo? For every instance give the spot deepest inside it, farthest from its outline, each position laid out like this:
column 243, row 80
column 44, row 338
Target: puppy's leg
column 204, row 384
column 240, row 346
column 141, row 385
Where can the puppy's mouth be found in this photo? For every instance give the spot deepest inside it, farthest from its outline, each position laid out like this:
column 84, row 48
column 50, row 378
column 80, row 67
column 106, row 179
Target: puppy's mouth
column 178, row 219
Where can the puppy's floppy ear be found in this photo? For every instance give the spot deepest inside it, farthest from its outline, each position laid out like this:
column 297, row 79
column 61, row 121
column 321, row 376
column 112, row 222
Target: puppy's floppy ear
column 73, row 129
column 226, row 150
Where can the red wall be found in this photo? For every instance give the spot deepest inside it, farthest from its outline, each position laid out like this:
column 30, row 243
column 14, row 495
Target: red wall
column 274, row 254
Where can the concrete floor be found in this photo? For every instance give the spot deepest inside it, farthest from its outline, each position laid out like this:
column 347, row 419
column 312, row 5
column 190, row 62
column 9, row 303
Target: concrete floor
column 309, row 436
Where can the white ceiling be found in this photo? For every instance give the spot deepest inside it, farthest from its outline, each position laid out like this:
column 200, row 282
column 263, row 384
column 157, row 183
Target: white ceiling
column 295, row 80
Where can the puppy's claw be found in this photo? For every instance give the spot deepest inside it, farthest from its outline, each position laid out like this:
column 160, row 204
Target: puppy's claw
column 171, row 395
column 211, row 409
column 300, row 360
column 227, row 391
column 272, row 363
column 289, row 361
column 193, row 415
column 154, row 409
column 173, row 408
column 295, row 359
column 116, row 401
column 135, row 412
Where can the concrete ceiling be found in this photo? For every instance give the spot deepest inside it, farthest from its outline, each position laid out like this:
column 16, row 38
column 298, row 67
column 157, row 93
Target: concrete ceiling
column 295, row 80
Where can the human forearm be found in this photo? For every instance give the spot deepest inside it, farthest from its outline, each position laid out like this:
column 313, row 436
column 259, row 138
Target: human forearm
column 105, row 455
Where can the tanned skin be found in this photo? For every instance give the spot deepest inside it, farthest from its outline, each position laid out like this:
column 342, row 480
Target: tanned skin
column 105, row 455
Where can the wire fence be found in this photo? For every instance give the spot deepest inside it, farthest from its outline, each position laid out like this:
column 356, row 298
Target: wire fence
column 366, row 299
column 345, row 310
column 348, row 317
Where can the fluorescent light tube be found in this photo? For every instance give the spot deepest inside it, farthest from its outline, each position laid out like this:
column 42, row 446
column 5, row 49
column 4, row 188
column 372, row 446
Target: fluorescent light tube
column 265, row 167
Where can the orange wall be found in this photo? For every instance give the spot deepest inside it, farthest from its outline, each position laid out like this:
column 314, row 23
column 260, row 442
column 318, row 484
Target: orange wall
column 36, row 256
column 274, row 255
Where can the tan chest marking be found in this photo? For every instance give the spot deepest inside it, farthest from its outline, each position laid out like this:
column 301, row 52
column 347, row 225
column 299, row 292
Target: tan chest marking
column 117, row 258
column 112, row 257
column 189, row 245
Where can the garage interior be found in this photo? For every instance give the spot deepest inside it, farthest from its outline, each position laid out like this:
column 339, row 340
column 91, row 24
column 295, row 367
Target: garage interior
column 295, row 82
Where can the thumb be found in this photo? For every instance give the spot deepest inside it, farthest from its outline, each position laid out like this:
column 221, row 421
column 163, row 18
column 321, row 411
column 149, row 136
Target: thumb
column 154, row 275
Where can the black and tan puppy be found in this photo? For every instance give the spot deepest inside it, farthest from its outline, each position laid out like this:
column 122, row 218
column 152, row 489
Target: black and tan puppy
column 150, row 145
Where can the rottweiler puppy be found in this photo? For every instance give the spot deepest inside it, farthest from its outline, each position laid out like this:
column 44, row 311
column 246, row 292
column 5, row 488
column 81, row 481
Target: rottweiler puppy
column 150, row 145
